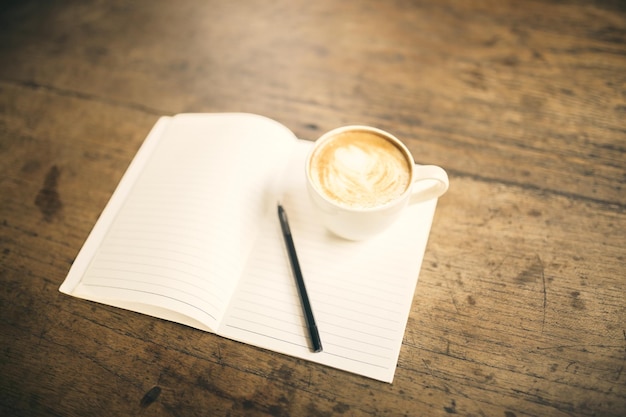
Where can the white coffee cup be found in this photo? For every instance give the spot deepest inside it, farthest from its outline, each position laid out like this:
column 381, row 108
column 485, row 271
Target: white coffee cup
column 361, row 178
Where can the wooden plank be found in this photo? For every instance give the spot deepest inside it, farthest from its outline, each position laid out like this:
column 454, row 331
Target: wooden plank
column 514, row 94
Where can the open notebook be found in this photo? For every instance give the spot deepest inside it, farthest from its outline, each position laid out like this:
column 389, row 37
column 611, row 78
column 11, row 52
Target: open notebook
column 191, row 235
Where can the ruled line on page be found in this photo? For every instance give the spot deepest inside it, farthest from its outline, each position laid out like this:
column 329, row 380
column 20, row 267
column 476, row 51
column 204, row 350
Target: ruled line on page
column 123, row 278
column 266, row 336
column 156, row 294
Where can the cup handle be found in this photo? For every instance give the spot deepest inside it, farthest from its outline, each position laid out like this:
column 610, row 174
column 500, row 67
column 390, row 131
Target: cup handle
column 429, row 181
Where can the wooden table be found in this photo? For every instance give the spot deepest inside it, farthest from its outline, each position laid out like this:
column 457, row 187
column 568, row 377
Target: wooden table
column 520, row 308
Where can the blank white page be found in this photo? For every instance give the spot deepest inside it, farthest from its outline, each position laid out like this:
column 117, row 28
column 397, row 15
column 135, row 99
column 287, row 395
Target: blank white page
column 361, row 292
column 178, row 241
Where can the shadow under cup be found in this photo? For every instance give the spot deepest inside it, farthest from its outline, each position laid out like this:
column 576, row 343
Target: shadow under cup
column 360, row 178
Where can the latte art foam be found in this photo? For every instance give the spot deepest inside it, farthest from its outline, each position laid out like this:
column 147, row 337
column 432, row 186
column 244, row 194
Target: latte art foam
column 360, row 169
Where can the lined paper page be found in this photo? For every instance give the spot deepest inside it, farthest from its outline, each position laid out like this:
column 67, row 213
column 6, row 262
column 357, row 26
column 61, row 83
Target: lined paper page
column 192, row 237
column 361, row 292
column 180, row 239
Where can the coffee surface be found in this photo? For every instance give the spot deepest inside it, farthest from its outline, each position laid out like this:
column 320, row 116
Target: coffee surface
column 360, row 169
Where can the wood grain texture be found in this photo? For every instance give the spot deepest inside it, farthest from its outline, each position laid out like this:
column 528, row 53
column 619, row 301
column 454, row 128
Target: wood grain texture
column 520, row 308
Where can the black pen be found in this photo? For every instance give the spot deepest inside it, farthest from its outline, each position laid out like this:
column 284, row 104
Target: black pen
column 297, row 273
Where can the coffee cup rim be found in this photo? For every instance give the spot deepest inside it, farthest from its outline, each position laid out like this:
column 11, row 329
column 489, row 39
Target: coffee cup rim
column 397, row 142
